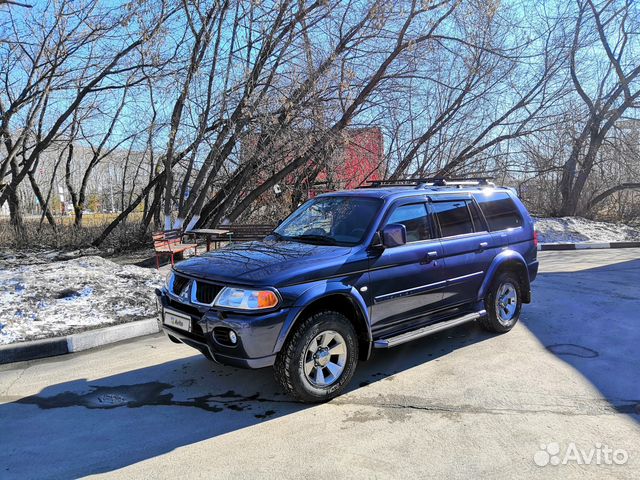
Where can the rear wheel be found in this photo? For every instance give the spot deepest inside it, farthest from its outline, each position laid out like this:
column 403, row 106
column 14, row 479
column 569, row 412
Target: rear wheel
column 319, row 359
column 503, row 303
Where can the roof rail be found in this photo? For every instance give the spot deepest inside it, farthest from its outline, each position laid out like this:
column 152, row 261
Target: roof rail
column 399, row 182
column 430, row 182
column 481, row 181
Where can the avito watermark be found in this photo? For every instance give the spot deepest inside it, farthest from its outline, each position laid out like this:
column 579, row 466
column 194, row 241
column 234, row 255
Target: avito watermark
column 599, row 454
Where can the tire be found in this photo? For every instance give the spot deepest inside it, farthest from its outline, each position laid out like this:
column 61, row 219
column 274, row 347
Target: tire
column 503, row 303
column 320, row 375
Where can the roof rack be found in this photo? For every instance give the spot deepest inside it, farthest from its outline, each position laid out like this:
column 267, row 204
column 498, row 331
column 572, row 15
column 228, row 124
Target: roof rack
column 400, row 182
column 431, row 182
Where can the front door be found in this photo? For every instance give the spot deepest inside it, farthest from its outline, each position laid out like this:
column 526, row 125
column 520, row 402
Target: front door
column 406, row 281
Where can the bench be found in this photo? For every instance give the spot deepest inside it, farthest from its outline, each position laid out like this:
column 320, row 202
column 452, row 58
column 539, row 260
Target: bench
column 243, row 233
column 169, row 242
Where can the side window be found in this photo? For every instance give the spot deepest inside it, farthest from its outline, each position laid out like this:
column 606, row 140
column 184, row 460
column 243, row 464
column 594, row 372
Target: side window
column 454, row 218
column 478, row 222
column 414, row 218
column 499, row 210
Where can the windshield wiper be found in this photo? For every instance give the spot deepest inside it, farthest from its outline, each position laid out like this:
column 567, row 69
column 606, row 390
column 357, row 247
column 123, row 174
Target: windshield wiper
column 323, row 239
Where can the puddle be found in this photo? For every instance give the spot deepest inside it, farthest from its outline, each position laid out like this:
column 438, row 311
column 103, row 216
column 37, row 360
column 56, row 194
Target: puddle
column 131, row 396
column 266, row 414
column 572, row 350
column 148, row 394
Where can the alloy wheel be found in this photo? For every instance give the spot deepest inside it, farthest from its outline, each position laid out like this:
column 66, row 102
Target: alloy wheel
column 506, row 303
column 325, row 358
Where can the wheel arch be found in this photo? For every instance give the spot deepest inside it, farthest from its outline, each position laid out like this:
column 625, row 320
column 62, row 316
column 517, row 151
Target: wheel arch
column 512, row 261
column 343, row 301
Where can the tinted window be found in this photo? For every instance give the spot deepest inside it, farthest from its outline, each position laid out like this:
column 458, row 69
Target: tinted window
column 499, row 210
column 414, row 218
column 478, row 222
column 453, row 217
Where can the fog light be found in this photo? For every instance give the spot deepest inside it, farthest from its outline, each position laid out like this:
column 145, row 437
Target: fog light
column 233, row 338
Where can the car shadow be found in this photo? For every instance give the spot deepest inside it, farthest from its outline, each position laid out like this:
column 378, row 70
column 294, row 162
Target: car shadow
column 594, row 326
column 85, row 427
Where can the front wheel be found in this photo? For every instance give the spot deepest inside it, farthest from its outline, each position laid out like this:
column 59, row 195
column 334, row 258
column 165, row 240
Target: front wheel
column 503, row 303
column 318, row 361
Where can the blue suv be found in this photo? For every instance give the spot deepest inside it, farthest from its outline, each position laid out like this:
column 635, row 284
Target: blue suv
column 355, row 270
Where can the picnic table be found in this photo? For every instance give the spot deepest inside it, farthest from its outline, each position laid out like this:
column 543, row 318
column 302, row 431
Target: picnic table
column 247, row 232
column 231, row 232
column 215, row 234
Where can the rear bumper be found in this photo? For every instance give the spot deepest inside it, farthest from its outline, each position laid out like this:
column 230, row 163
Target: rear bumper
column 257, row 335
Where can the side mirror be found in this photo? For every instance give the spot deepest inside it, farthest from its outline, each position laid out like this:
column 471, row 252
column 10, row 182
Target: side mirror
column 394, row 235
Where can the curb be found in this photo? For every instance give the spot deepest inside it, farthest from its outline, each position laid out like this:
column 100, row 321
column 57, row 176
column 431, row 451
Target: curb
column 587, row 246
column 76, row 342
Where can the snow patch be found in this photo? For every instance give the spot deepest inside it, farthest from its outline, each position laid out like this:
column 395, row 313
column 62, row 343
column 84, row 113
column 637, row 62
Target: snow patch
column 42, row 300
column 579, row 230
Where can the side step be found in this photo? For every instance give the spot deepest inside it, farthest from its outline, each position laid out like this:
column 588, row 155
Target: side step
column 428, row 330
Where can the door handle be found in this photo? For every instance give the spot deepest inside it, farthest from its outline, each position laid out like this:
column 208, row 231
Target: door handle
column 483, row 246
column 431, row 256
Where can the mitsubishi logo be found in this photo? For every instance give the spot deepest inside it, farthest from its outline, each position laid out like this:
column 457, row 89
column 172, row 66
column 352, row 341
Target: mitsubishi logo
column 184, row 293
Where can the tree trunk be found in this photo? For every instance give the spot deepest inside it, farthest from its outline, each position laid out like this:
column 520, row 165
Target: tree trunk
column 44, row 204
column 16, row 220
column 574, row 181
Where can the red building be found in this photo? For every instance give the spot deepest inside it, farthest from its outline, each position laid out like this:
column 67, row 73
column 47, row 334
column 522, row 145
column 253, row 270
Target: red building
column 351, row 160
column 358, row 159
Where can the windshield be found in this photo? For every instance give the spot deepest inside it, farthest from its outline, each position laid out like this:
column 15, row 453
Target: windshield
column 330, row 221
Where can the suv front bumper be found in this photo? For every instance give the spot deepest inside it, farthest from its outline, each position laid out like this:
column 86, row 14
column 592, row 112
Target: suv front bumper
column 257, row 334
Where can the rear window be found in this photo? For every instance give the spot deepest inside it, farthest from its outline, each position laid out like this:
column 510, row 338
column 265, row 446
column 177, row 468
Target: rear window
column 453, row 217
column 499, row 210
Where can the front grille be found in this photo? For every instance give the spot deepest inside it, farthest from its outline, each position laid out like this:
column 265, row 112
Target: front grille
column 179, row 282
column 181, row 307
column 206, row 292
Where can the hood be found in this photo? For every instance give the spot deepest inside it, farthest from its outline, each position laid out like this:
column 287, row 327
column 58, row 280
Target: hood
column 265, row 262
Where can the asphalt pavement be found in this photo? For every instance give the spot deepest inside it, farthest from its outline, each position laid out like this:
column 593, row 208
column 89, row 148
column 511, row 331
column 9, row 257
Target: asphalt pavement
column 558, row 396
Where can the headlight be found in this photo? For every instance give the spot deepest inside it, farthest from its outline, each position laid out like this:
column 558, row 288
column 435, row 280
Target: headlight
column 168, row 280
column 243, row 299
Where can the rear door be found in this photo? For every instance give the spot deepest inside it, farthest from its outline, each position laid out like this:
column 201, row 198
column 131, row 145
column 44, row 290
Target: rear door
column 406, row 281
column 503, row 218
column 468, row 247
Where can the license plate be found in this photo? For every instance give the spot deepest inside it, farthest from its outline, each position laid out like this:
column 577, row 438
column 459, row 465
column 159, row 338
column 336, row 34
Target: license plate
column 177, row 320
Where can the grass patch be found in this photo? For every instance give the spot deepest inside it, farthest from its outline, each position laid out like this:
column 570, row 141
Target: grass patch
column 126, row 236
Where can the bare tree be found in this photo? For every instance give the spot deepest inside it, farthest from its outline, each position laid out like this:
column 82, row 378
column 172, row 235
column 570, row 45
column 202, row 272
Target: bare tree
column 191, row 113
column 49, row 67
column 607, row 89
